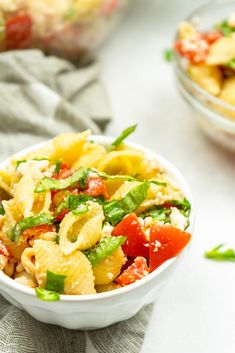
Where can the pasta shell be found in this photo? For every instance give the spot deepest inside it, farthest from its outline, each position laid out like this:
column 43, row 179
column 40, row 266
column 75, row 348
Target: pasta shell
column 221, row 51
column 77, row 268
column 81, row 231
column 108, row 269
column 207, row 77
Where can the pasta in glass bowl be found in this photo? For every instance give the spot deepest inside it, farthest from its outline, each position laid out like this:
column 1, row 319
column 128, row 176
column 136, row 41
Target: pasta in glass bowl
column 204, row 50
column 89, row 225
column 67, row 28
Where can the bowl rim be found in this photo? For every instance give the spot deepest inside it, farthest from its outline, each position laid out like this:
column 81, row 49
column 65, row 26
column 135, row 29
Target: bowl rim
column 220, row 119
column 176, row 176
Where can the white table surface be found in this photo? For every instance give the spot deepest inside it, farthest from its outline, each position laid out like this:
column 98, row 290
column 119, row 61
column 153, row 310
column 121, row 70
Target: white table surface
column 196, row 312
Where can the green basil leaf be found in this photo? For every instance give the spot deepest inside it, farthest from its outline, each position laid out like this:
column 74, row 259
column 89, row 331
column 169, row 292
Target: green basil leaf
column 29, row 222
column 231, row 64
column 127, row 178
column 225, row 28
column 72, row 202
column 159, row 213
column 217, row 254
column 82, row 208
column 46, row 295
column 34, row 159
column 80, row 175
column 58, row 165
column 2, row 211
column 115, row 210
column 105, row 248
column 124, row 134
column 55, row 282
column 168, row 55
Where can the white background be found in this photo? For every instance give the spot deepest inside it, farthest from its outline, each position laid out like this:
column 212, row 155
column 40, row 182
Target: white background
column 196, row 313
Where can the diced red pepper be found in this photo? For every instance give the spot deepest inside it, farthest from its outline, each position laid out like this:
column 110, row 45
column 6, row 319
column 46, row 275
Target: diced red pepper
column 38, row 230
column 96, row 187
column 137, row 243
column 135, row 272
column 18, row 31
column 3, row 249
column 166, row 242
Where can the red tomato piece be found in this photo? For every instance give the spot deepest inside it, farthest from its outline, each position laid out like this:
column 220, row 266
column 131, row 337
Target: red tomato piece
column 38, row 230
column 135, row 272
column 64, row 172
column 195, row 48
column 137, row 243
column 18, row 31
column 166, row 242
column 96, row 187
column 62, row 214
column 3, row 249
column 211, row 37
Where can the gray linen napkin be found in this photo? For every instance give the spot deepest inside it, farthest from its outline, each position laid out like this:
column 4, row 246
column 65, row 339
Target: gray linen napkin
column 40, row 97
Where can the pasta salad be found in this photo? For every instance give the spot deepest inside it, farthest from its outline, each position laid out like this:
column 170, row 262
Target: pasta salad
column 59, row 27
column 210, row 58
column 77, row 217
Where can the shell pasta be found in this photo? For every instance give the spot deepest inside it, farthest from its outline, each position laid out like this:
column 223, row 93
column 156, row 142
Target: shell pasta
column 81, row 218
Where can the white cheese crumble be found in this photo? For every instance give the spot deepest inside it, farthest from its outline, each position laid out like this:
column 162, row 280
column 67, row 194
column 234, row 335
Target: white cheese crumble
column 177, row 219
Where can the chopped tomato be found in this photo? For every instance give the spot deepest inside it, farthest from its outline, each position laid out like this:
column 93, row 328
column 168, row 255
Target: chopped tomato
column 62, row 214
column 195, row 48
column 36, row 231
column 136, row 271
column 137, row 243
column 166, row 242
column 64, row 172
column 18, row 31
column 3, row 249
column 211, row 37
column 96, row 187
column 109, row 7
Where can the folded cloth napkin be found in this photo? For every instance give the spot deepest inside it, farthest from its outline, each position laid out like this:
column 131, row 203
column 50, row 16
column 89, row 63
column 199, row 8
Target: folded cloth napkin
column 40, row 97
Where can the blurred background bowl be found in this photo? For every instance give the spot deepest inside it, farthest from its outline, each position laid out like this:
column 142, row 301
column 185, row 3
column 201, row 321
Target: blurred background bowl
column 215, row 117
column 65, row 28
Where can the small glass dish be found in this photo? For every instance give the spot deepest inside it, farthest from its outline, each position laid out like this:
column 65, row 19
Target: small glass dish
column 215, row 117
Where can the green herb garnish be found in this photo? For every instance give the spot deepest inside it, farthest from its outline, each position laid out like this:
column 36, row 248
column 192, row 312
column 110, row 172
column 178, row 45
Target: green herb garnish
column 217, row 254
column 2, row 211
column 80, row 175
column 29, row 222
column 105, row 248
column 124, row 134
column 55, row 282
column 231, row 64
column 58, row 165
column 46, row 295
column 225, row 28
column 115, row 210
column 34, row 159
column 73, row 202
column 168, row 55
column 159, row 213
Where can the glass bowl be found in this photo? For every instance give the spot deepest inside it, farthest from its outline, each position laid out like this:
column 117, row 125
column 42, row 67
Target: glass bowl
column 215, row 117
column 65, row 28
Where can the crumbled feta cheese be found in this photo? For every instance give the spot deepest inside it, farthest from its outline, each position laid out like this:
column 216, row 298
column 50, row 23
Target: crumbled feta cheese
column 177, row 219
column 110, row 275
column 156, row 245
column 141, row 221
column 147, row 222
column 107, row 230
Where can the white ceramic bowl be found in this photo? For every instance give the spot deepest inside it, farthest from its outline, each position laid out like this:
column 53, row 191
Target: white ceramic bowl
column 95, row 311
